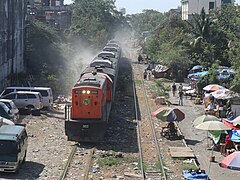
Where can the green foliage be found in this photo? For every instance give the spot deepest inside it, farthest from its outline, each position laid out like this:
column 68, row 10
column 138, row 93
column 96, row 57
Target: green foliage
column 95, row 21
column 46, row 57
column 109, row 161
column 210, row 78
column 148, row 20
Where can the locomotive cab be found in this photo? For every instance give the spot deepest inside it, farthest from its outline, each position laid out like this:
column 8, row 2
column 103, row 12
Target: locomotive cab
column 89, row 106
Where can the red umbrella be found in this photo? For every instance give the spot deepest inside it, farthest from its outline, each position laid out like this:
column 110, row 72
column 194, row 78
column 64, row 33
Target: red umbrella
column 213, row 87
column 158, row 111
column 169, row 114
column 232, row 161
column 230, row 125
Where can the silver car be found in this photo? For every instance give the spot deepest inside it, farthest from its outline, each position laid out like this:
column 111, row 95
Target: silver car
column 10, row 104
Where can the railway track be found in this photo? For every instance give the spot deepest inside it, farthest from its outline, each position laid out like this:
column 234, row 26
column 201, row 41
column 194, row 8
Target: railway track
column 78, row 163
column 145, row 124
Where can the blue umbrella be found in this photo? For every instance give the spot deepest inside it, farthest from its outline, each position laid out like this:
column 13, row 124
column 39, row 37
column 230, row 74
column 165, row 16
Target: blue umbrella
column 197, row 67
column 234, row 135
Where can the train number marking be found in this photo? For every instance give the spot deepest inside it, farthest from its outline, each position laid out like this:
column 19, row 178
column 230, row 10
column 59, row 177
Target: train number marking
column 85, row 126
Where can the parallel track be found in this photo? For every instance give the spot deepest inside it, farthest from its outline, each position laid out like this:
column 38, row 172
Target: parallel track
column 146, row 175
column 78, row 163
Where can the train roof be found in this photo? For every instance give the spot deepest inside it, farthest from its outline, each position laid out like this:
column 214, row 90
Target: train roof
column 113, row 45
column 114, row 41
column 114, row 60
column 108, row 71
column 107, row 54
column 111, row 49
column 91, row 80
column 102, row 62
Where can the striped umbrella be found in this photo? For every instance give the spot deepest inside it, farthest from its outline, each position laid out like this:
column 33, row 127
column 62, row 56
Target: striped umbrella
column 232, row 161
column 213, row 87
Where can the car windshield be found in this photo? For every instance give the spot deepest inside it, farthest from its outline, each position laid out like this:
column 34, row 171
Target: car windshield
column 8, row 105
column 4, row 106
column 8, row 147
column 13, row 106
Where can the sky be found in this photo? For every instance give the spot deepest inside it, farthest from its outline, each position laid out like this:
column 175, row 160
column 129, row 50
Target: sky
column 136, row 6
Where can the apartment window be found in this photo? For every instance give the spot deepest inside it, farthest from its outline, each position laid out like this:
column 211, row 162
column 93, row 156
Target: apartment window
column 211, row 5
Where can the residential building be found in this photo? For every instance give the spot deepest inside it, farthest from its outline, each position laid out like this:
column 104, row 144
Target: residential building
column 53, row 13
column 190, row 7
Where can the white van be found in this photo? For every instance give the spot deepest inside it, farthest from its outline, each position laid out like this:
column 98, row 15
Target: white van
column 13, row 147
column 26, row 99
column 46, row 92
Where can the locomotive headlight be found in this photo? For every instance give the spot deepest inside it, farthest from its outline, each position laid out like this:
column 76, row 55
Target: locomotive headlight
column 84, row 92
column 88, row 92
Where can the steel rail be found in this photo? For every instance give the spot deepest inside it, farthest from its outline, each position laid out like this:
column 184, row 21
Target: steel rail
column 153, row 129
column 89, row 164
column 70, row 158
column 138, row 132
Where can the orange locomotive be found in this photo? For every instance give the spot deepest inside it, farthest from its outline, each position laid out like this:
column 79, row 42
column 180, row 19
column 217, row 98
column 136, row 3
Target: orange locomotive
column 92, row 96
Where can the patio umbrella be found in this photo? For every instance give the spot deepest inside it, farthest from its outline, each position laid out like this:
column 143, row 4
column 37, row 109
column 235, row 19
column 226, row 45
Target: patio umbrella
column 213, row 87
column 204, row 118
column 230, row 125
column 236, row 121
column 234, row 135
column 170, row 115
column 212, row 125
column 222, row 94
column 197, row 67
column 232, row 161
column 154, row 113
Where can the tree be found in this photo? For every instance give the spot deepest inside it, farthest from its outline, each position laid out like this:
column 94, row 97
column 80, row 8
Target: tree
column 95, row 21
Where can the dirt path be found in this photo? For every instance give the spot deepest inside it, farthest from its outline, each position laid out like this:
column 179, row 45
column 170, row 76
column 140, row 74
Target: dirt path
column 197, row 140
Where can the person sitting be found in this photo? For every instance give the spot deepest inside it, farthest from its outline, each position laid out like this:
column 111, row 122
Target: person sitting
column 228, row 145
column 172, row 128
column 237, row 146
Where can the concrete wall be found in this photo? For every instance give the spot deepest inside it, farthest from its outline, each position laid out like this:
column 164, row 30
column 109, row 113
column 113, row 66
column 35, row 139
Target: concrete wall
column 12, row 25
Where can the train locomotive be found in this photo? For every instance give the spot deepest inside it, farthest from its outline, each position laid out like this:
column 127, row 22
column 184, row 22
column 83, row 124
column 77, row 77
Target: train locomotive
column 86, row 119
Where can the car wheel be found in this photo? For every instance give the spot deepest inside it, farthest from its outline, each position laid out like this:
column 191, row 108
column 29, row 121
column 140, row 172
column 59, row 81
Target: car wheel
column 29, row 108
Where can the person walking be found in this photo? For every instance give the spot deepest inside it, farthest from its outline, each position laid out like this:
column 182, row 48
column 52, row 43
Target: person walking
column 174, row 89
column 180, row 87
column 140, row 58
column 180, row 102
column 145, row 74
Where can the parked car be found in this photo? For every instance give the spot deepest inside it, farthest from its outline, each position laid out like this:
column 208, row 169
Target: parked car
column 26, row 100
column 6, row 112
column 10, row 104
column 4, row 121
column 46, row 92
